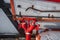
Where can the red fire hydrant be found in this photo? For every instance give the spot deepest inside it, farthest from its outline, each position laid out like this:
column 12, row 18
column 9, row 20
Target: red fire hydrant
column 28, row 27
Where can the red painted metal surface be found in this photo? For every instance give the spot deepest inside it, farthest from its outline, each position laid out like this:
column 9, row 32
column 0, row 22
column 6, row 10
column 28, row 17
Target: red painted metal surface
column 28, row 36
column 54, row 1
column 13, row 9
column 28, row 28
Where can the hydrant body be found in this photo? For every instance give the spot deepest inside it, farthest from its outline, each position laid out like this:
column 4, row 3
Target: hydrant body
column 28, row 28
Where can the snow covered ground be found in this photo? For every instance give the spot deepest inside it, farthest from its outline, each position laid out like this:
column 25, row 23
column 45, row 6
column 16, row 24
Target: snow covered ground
column 50, row 35
column 41, row 5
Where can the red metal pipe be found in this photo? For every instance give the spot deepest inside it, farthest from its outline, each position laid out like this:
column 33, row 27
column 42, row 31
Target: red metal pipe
column 24, row 26
column 32, row 26
column 29, row 30
column 13, row 9
column 28, row 36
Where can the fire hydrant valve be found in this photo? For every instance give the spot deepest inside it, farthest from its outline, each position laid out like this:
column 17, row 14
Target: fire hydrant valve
column 28, row 28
